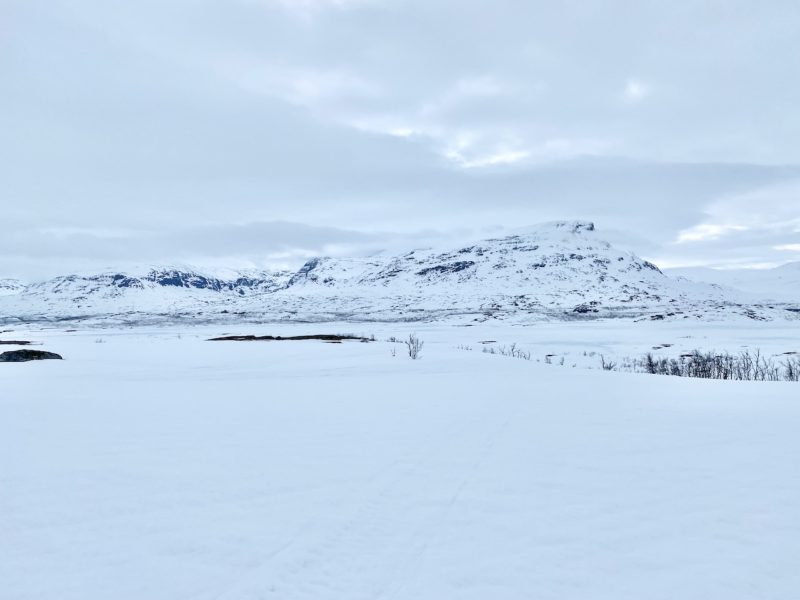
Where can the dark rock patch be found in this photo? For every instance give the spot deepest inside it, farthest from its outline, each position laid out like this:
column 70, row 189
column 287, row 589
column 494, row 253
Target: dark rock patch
column 331, row 338
column 14, row 342
column 454, row 267
column 591, row 307
column 647, row 264
column 26, row 355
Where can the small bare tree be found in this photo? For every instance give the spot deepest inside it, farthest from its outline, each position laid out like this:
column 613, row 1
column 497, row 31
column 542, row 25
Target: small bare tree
column 607, row 365
column 414, row 345
column 792, row 369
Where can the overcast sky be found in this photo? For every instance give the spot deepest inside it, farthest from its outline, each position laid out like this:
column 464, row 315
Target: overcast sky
column 259, row 132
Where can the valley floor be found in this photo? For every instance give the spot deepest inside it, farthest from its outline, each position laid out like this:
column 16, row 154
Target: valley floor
column 154, row 464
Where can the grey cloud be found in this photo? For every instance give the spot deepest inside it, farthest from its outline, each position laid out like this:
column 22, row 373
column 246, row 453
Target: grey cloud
column 272, row 244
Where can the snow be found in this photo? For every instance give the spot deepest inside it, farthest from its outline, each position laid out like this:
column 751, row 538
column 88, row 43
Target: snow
column 10, row 287
column 159, row 465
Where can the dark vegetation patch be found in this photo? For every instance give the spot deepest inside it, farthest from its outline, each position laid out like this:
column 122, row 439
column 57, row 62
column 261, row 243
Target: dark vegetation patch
column 26, row 355
column 325, row 337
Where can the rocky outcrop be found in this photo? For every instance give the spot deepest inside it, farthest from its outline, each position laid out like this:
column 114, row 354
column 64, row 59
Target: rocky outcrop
column 26, row 355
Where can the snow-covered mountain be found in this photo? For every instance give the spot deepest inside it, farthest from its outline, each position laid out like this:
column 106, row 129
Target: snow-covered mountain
column 155, row 292
column 10, row 286
column 560, row 270
column 777, row 284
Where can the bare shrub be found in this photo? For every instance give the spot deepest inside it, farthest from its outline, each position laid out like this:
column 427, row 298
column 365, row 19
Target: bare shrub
column 607, row 365
column 791, row 369
column 414, row 346
column 512, row 351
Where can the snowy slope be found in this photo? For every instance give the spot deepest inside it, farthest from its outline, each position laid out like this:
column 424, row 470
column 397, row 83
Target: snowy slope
column 778, row 284
column 10, row 286
column 560, row 270
column 157, row 291
column 161, row 467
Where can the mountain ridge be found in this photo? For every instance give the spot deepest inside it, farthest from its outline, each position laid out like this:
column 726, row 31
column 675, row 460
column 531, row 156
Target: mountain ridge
column 557, row 270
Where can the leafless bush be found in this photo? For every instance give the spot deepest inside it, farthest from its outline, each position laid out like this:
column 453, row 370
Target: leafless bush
column 791, row 369
column 414, row 346
column 511, row 350
column 607, row 365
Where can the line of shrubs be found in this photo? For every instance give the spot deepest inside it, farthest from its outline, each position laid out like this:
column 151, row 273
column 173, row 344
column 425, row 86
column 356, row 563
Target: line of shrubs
column 744, row 366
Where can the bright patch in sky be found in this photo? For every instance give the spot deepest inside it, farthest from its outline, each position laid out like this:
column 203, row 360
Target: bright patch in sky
column 635, row 91
column 707, row 231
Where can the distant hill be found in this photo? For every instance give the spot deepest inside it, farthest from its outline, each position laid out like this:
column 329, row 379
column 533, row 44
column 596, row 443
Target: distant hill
column 781, row 284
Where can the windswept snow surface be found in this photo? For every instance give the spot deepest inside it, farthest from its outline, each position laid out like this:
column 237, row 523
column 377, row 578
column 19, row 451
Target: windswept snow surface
column 158, row 465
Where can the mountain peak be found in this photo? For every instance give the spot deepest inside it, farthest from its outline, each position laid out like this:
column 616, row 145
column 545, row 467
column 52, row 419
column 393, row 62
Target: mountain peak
column 574, row 226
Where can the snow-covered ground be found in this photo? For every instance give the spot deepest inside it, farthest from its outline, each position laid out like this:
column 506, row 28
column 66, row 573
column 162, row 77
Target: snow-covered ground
column 157, row 465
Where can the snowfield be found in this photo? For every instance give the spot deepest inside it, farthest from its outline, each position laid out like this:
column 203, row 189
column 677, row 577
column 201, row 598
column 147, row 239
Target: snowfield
column 157, row 465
